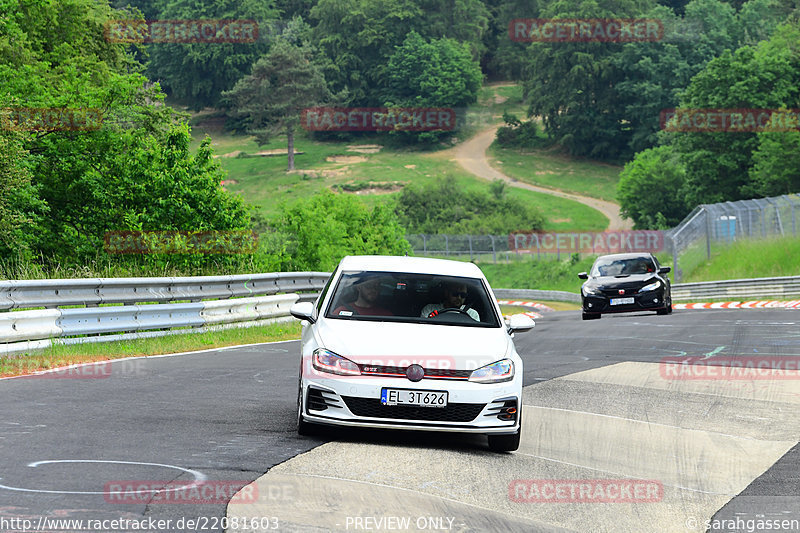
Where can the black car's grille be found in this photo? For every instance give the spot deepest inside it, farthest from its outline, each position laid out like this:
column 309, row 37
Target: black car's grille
column 400, row 371
column 454, row 412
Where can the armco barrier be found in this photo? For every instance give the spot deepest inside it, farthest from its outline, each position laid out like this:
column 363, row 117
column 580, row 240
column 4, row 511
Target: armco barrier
column 147, row 311
column 17, row 328
column 535, row 294
column 53, row 293
column 150, row 306
column 777, row 288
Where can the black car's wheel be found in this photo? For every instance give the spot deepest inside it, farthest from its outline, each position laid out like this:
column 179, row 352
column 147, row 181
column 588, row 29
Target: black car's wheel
column 303, row 427
column 506, row 443
column 590, row 316
column 667, row 310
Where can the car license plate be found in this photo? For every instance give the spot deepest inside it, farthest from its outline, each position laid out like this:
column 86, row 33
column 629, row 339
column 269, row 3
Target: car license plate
column 417, row 398
column 621, row 301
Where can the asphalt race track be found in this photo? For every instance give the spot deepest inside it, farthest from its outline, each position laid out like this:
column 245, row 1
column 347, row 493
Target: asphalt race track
column 666, row 451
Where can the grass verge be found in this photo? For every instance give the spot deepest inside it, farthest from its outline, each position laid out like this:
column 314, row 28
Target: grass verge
column 61, row 355
column 742, row 259
column 552, row 169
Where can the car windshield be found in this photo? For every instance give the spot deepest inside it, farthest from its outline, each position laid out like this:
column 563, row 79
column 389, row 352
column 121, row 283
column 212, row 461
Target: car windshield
column 416, row 298
column 623, row 267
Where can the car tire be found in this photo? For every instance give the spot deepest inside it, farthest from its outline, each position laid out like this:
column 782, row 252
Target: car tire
column 590, row 316
column 666, row 311
column 303, row 428
column 506, row 443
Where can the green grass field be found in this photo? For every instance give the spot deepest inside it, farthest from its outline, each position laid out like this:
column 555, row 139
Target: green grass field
column 61, row 355
column 551, row 168
column 742, row 259
column 264, row 182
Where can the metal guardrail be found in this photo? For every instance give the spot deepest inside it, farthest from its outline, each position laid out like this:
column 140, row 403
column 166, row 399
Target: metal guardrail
column 781, row 287
column 54, row 293
column 149, row 307
column 787, row 287
column 535, row 294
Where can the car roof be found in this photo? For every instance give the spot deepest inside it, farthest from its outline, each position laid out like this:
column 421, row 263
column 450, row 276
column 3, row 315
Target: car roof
column 416, row 265
column 643, row 255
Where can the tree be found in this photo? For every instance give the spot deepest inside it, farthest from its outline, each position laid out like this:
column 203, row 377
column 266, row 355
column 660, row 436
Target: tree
column 776, row 164
column 197, row 73
column 436, row 73
column 20, row 206
column 280, row 86
column 766, row 76
column 322, row 229
column 439, row 72
column 572, row 85
column 359, row 36
column 649, row 189
column 132, row 171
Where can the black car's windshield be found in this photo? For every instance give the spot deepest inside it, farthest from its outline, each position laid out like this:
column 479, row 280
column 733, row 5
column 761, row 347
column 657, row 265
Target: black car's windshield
column 623, row 267
column 417, row 298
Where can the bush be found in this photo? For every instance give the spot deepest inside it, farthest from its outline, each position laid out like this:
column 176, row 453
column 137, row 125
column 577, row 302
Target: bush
column 519, row 134
column 445, row 207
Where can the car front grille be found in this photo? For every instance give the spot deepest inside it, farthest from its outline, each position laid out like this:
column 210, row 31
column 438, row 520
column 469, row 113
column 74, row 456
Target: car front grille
column 400, row 371
column 454, row 412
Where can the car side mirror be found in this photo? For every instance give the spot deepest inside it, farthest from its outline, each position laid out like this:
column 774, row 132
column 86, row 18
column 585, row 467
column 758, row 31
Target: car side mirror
column 664, row 270
column 583, row 275
column 303, row 311
column 520, row 323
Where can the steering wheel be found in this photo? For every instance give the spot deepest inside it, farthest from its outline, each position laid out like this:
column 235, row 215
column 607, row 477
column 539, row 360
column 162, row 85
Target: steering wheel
column 447, row 310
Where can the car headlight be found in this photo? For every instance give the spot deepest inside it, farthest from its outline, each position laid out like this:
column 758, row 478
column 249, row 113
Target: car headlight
column 651, row 287
column 592, row 289
column 496, row 372
column 327, row 361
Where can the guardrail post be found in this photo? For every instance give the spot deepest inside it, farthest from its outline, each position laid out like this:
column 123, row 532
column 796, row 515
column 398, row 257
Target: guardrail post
column 708, row 233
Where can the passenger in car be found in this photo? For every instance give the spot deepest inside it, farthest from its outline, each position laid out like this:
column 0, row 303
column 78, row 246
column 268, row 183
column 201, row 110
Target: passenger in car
column 454, row 296
column 366, row 304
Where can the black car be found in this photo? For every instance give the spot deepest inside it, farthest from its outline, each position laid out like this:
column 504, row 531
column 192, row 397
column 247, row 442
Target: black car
column 621, row 283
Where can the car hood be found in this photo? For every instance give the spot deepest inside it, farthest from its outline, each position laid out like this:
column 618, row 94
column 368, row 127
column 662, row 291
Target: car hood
column 614, row 282
column 399, row 344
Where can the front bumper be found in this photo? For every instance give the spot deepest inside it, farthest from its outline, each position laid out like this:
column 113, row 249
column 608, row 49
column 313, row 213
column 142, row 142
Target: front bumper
column 355, row 401
column 646, row 301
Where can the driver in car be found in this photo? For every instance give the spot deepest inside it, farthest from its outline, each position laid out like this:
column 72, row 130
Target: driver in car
column 368, row 290
column 454, row 296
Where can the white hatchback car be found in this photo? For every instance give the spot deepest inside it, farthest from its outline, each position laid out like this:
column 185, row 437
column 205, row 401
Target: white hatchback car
column 410, row 343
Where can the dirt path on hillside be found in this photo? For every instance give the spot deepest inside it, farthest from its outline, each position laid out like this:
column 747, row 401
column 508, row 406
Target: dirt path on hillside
column 471, row 155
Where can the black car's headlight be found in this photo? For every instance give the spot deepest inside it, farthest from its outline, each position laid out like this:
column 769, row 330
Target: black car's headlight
column 327, row 361
column 497, row 372
column 651, row 287
column 594, row 290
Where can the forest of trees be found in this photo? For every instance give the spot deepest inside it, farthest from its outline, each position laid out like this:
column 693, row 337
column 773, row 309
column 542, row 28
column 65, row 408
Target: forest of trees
column 61, row 191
